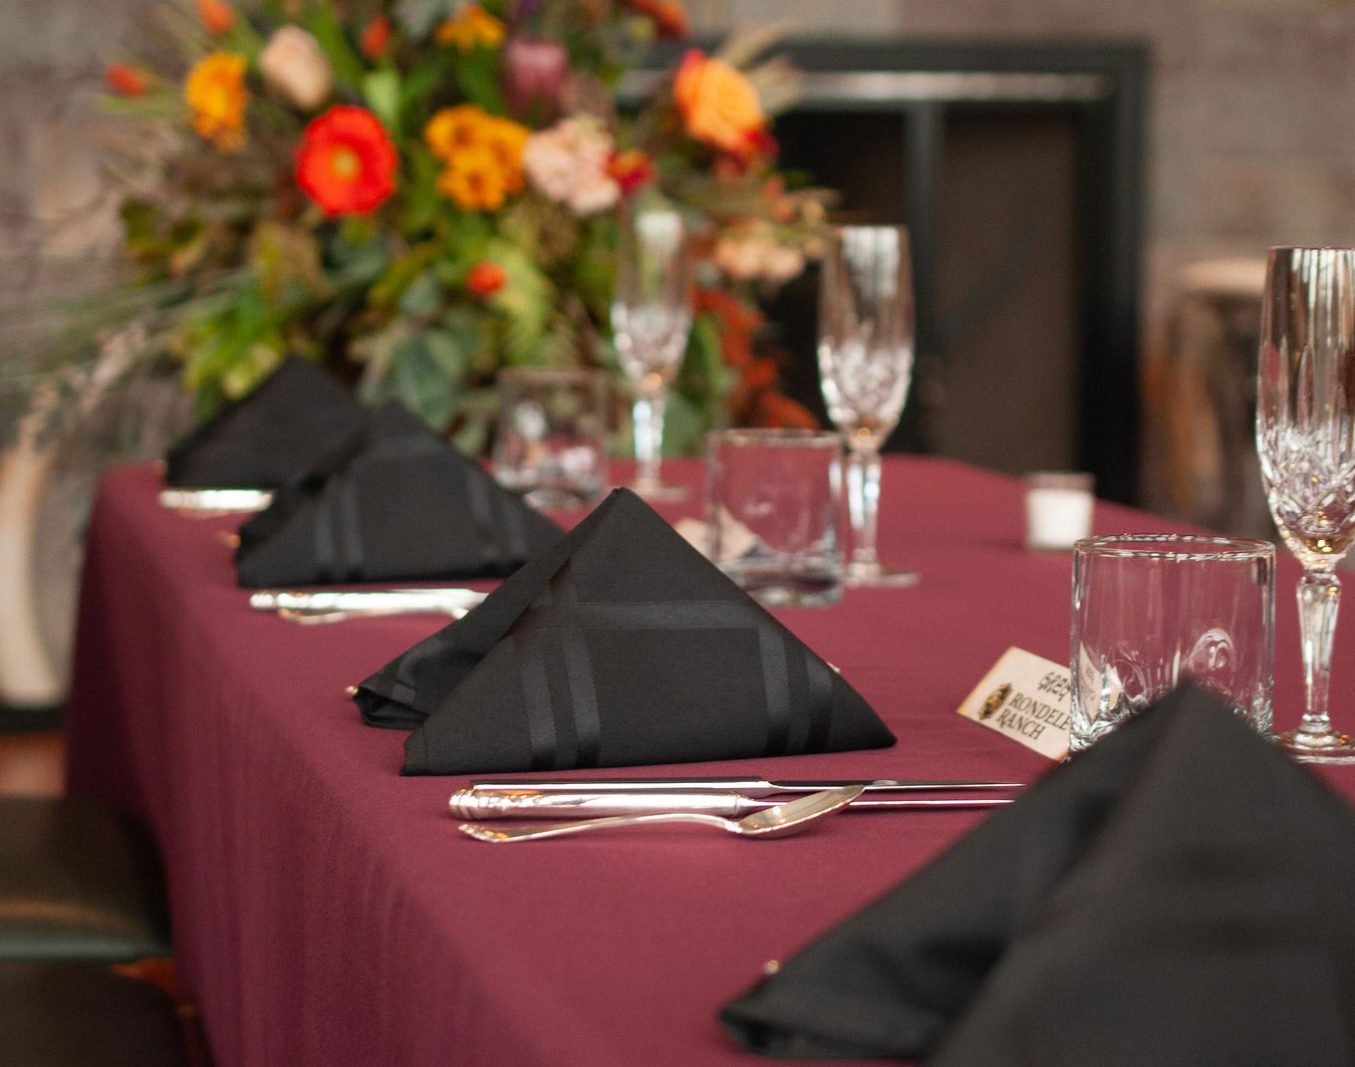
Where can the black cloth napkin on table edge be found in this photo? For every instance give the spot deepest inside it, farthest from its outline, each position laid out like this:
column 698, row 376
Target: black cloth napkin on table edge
column 396, row 503
column 289, row 422
column 617, row 646
column 1179, row 895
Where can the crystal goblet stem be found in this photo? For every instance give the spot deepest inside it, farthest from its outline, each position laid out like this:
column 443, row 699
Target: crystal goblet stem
column 1319, row 597
column 647, row 411
column 863, row 510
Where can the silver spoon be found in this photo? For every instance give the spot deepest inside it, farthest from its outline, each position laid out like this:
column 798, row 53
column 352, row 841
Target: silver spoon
column 778, row 821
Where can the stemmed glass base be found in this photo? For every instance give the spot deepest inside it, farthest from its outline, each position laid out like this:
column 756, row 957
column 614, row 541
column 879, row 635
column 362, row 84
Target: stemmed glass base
column 874, row 573
column 651, row 489
column 863, row 567
column 1329, row 747
column 647, row 413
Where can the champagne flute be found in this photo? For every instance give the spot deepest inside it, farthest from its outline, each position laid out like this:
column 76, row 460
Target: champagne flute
column 865, row 367
column 1305, row 434
column 651, row 317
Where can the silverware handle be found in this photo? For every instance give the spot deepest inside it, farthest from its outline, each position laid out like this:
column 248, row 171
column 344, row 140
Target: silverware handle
column 526, row 804
column 501, row 834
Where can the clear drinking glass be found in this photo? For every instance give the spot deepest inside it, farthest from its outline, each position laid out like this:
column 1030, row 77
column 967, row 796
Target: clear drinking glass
column 1153, row 610
column 1305, row 434
column 550, row 443
column 865, row 367
column 651, row 317
column 773, row 505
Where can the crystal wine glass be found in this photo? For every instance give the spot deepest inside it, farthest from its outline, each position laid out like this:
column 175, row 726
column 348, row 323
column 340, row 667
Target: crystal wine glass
column 865, row 367
column 1305, row 434
column 651, row 317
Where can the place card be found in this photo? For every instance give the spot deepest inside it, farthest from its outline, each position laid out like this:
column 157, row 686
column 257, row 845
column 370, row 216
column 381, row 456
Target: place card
column 1024, row 697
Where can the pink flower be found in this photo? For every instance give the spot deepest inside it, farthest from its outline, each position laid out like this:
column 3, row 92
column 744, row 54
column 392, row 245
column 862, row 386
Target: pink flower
column 534, row 72
column 569, row 163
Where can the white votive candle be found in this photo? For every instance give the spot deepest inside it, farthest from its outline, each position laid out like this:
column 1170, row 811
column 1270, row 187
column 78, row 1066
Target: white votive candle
column 1058, row 508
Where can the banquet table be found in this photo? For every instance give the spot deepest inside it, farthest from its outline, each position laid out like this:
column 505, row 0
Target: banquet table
column 327, row 911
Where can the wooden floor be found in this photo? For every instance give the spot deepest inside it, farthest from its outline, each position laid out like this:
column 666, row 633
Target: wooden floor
column 32, row 762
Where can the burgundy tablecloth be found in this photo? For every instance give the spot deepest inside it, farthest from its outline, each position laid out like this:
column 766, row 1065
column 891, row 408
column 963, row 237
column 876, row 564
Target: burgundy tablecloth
column 326, row 910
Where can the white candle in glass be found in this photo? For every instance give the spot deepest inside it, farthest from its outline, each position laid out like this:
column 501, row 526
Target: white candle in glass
column 1058, row 508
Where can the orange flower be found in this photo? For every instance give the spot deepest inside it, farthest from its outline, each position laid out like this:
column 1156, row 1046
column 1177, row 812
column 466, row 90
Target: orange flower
column 631, row 170
column 346, row 163
column 719, row 105
column 474, row 180
column 375, row 37
column 216, row 98
column 486, row 278
column 454, row 128
column 125, row 80
column 473, row 27
column 505, row 140
column 669, row 15
column 217, row 15
column 483, row 156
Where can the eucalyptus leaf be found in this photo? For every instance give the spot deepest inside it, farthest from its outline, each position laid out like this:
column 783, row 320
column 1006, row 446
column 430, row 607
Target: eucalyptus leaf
column 422, row 297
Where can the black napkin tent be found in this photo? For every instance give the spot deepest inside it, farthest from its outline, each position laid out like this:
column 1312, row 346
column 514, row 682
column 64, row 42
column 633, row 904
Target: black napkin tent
column 1178, row 895
column 287, row 424
column 619, row 645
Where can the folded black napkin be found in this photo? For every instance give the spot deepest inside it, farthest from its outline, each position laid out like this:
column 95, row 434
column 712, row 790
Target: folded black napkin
column 1180, row 894
column 396, row 503
column 619, row 645
column 289, row 422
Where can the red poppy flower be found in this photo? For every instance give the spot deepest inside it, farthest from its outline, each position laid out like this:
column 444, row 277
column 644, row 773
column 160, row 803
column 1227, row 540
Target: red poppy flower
column 216, row 15
column 125, row 80
column 346, row 163
column 375, row 37
column 486, row 278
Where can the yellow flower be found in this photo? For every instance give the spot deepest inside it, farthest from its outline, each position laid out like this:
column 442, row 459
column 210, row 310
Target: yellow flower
column 483, row 156
column 216, row 97
column 472, row 27
column 505, row 140
column 454, row 128
column 474, row 181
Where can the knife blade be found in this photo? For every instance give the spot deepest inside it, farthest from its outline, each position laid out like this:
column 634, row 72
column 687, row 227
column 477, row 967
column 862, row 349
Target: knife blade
column 374, row 601
column 754, row 787
column 481, row 804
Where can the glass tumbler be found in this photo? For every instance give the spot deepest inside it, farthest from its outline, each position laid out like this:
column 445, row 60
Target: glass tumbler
column 1153, row 610
column 773, row 510
column 551, row 439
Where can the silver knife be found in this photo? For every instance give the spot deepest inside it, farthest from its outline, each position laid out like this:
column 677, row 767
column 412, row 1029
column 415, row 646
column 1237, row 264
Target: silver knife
column 755, row 787
column 324, row 605
column 215, row 501
column 481, row 804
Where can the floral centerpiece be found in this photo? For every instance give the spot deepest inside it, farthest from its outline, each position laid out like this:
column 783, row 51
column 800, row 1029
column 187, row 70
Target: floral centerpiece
column 424, row 191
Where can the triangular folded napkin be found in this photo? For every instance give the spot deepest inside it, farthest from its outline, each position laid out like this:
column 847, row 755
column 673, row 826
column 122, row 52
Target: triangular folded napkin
column 398, row 504
column 288, row 423
column 619, row 645
column 1178, row 895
